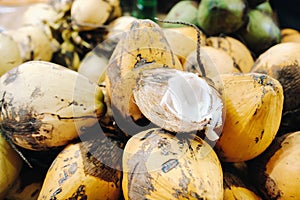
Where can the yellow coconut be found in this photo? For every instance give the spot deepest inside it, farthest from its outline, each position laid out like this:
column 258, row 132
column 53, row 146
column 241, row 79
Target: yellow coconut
column 237, row 186
column 183, row 40
column 282, row 62
column 159, row 165
column 276, row 171
column 253, row 104
column 85, row 170
column 10, row 166
column 290, row 35
column 239, row 52
column 144, row 44
column 46, row 105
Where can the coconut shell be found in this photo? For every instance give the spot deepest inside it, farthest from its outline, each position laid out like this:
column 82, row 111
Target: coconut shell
column 253, row 104
column 45, row 105
column 239, row 52
column 85, row 170
column 171, row 99
column 158, row 165
column 236, row 186
column 183, row 40
column 142, row 45
column 289, row 35
column 276, row 171
column 215, row 62
column 282, row 62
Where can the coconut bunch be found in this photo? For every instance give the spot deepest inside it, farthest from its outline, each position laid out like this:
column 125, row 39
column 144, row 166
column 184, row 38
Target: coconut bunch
column 251, row 22
column 63, row 31
column 163, row 113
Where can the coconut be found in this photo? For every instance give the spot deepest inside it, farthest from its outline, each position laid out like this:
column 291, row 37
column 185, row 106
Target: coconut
column 184, row 40
column 253, row 112
column 184, row 11
column 276, row 171
column 159, row 165
column 239, row 52
column 45, row 105
column 10, row 166
column 214, row 60
column 260, row 32
column 9, row 53
column 225, row 16
column 142, row 46
column 282, row 62
column 237, row 186
column 86, row 170
column 289, row 35
column 179, row 101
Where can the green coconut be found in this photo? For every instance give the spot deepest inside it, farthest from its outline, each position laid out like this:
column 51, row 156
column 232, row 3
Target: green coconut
column 221, row 16
column 261, row 32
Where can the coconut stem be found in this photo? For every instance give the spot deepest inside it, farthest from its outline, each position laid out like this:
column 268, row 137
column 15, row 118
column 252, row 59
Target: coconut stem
column 201, row 66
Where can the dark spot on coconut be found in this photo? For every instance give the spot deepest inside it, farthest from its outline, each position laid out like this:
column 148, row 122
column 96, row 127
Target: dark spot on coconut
column 262, row 133
column 148, row 134
column 73, row 103
column 272, row 188
column 170, row 164
column 196, row 195
column 40, row 138
column 198, row 148
column 256, row 140
column 76, row 154
column 183, row 192
column 36, row 93
column 11, row 76
column 237, row 122
column 31, row 53
column 259, row 78
column 23, row 124
column 139, row 179
column 102, row 158
column 56, row 192
column 79, row 194
column 255, row 112
column 141, row 61
column 73, row 168
column 63, row 178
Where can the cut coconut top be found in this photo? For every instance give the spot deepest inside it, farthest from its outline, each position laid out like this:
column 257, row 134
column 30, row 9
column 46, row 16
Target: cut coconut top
column 179, row 101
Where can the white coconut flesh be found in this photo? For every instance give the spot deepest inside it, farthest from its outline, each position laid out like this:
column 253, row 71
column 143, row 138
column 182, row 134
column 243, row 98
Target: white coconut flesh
column 179, row 101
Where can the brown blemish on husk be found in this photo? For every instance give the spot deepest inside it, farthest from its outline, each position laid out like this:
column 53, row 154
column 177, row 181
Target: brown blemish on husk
column 79, row 194
column 102, row 158
column 36, row 93
column 272, row 189
column 141, row 61
column 56, row 192
column 184, row 182
column 289, row 77
column 22, row 123
column 12, row 75
column 139, row 179
column 169, row 165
